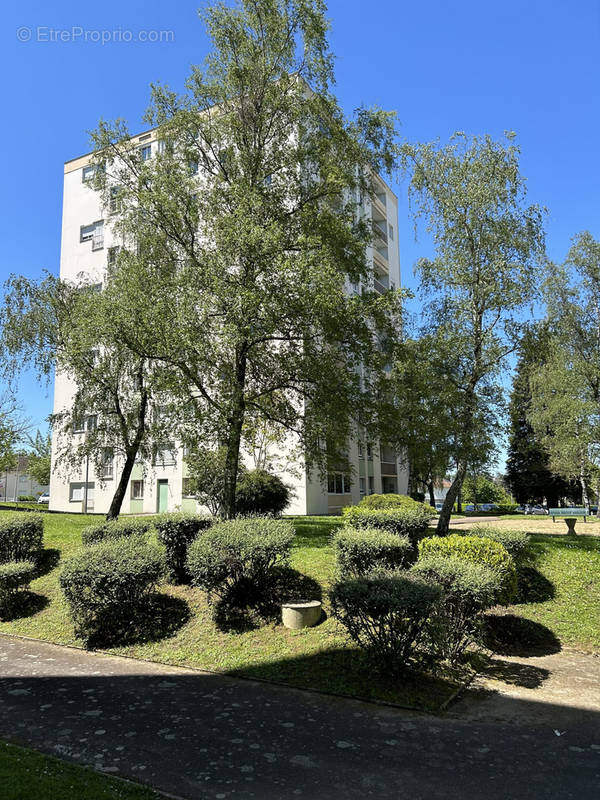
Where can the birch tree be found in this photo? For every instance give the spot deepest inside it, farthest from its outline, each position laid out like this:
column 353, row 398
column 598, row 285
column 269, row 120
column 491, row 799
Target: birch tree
column 488, row 249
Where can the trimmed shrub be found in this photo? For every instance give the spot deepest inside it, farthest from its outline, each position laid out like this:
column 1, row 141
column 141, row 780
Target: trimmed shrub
column 21, row 536
column 516, row 543
column 359, row 551
column 411, row 521
column 234, row 560
column 115, row 529
column 14, row 577
column 259, row 492
column 106, row 584
column 468, row 589
column 177, row 531
column 479, row 551
column 392, row 501
column 385, row 615
column 26, row 498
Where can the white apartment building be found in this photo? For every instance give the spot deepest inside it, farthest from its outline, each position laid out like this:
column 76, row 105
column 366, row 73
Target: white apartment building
column 86, row 249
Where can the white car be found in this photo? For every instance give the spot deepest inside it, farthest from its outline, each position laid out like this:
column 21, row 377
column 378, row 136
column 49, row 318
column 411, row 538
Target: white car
column 44, row 498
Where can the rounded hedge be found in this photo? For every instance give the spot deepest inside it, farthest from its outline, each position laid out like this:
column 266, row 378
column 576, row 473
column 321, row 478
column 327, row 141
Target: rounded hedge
column 359, row 551
column 237, row 557
column 394, row 501
column 21, row 535
column 516, row 543
column 260, row 492
column 477, row 550
column 386, row 615
column 176, row 531
column 115, row 529
column 468, row 589
column 411, row 521
column 14, row 577
column 105, row 584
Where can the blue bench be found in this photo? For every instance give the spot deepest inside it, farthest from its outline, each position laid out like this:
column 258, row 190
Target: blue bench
column 570, row 516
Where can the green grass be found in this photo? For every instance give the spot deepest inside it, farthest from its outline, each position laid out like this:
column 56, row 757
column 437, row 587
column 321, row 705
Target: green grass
column 25, row 774
column 572, row 566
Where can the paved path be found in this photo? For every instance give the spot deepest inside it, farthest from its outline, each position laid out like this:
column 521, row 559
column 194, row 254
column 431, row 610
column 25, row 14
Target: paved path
column 197, row 735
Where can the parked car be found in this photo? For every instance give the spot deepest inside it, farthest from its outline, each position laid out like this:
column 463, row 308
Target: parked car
column 488, row 507
column 536, row 510
column 469, row 508
column 44, row 498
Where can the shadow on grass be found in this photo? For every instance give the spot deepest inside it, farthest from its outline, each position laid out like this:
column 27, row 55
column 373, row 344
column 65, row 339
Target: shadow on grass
column 247, row 608
column 525, row 675
column 160, row 618
column 348, row 671
column 510, row 635
column 24, row 604
column 533, row 587
column 46, row 560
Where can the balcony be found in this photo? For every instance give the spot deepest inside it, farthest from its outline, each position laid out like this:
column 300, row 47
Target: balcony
column 379, row 232
column 378, row 201
column 379, row 286
column 380, row 262
column 388, row 468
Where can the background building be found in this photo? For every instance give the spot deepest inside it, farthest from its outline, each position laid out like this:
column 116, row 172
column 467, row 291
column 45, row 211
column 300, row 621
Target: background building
column 87, row 247
column 17, row 483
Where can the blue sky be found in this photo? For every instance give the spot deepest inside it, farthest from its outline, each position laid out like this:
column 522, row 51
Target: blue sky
column 525, row 65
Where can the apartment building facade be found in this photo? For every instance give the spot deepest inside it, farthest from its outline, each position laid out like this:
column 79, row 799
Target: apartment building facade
column 87, row 248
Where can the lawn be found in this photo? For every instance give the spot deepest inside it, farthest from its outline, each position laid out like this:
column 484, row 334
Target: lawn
column 318, row 657
column 25, row 774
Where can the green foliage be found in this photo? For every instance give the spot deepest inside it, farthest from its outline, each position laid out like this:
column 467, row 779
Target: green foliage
column 359, row 551
column 206, row 470
column 38, row 459
column 234, row 560
column 477, row 550
column 21, row 536
column 14, row 576
column 259, row 492
column 393, row 501
column 176, row 532
column 115, row 529
column 482, row 489
column 108, row 583
column 516, row 543
column 506, row 508
column 385, row 615
column 26, row 498
column 411, row 521
column 468, row 589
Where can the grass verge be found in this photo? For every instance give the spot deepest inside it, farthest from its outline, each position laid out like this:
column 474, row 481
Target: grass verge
column 25, row 774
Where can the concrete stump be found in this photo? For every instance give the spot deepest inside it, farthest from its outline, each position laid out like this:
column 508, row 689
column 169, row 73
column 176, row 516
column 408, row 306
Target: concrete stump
column 571, row 523
column 303, row 614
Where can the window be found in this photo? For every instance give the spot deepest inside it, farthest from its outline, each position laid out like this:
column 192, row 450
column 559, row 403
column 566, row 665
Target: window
column 93, row 233
column 144, row 137
column 137, row 490
column 186, row 488
column 91, row 422
column 338, row 483
column 363, row 485
column 113, row 202
column 106, row 464
column 145, row 152
column 360, row 450
column 391, row 231
column 78, row 424
column 370, row 452
column 96, row 288
column 112, row 255
column 77, row 493
column 165, row 455
column 371, row 485
column 87, row 173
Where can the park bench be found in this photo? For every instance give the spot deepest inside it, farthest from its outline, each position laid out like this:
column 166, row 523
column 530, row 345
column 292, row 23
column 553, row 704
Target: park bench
column 570, row 516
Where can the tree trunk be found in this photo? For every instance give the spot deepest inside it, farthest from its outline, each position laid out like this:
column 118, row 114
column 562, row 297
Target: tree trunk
column 584, row 493
column 236, row 421
column 431, row 493
column 444, row 518
column 119, row 495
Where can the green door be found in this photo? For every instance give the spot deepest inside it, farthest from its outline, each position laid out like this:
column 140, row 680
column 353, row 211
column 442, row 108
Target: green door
column 163, row 496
